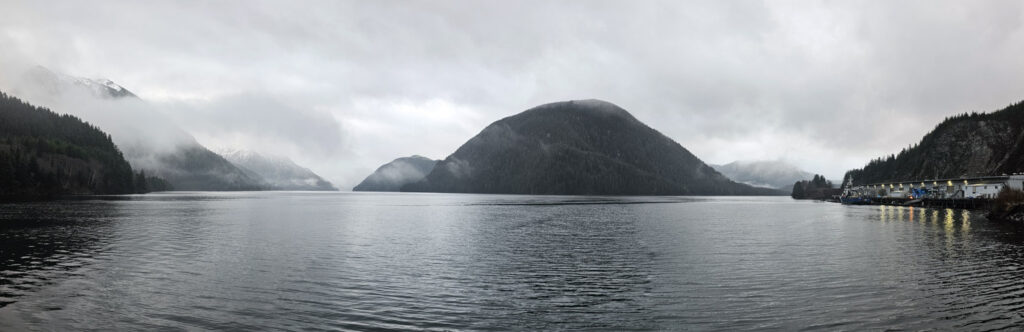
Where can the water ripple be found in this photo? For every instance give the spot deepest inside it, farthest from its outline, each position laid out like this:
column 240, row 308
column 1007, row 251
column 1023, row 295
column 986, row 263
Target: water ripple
column 308, row 261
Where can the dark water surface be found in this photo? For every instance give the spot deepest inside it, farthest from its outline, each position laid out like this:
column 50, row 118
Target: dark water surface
column 343, row 261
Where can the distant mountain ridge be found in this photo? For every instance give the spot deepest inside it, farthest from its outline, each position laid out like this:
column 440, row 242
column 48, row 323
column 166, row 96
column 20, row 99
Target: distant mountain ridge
column 763, row 173
column 397, row 173
column 963, row 145
column 582, row 147
column 278, row 173
column 197, row 168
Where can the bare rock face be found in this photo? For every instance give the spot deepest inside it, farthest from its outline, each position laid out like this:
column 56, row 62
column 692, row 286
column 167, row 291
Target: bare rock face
column 588, row 147
column 965, row 145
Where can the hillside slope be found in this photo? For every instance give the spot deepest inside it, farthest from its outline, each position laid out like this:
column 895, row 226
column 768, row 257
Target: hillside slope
column 278, row 173
column 149, row 141
column 964, row 145
column 43, row 154
column 397, row 173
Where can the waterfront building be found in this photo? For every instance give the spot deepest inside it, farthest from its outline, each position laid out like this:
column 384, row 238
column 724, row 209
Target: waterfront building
column 966, row 187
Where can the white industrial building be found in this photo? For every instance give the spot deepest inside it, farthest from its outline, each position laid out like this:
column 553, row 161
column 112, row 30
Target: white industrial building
column 968, row 187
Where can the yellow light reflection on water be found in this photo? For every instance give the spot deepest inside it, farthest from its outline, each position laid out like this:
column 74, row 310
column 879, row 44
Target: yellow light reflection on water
column 911, row 214
column 935, row 217
column 966, row 226
column 948, row 228
column 947, row 222
column 881, row 213
column 899, row 213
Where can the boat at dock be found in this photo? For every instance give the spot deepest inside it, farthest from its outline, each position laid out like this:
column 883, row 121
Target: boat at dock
column 855, row 200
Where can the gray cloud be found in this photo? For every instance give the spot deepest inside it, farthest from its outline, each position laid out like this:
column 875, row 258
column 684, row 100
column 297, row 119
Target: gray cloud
column 826, row 85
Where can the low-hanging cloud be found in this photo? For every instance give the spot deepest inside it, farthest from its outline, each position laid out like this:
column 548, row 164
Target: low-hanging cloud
column 137, row 126
column 260, row 122
column 346, row 86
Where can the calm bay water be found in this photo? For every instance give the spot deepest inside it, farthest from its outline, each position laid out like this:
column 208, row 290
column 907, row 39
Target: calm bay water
column 350, row 261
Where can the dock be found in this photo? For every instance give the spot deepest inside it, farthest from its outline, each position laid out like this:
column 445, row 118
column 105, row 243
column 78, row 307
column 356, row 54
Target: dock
column 977, row 192
column 953, row 203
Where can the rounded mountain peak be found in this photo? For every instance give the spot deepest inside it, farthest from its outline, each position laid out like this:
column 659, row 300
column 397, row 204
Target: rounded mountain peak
column 579, row 147
column 585, row 106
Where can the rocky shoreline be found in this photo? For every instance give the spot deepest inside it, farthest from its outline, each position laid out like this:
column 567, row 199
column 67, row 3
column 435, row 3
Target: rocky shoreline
column 1012, row 214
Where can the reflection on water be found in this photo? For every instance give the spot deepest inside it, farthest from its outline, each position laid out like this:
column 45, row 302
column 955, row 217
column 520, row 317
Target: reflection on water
column 955, row 225
column 965, row 224
column 286, row 261
column 951, row 218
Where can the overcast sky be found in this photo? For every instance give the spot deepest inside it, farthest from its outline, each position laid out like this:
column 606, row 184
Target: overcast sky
column 343, row 87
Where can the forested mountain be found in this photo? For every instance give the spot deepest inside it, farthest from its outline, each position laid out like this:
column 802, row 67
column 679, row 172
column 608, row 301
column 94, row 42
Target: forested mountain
column 149, row 141
column 763, row 173
column 587, row 147
column 397, row 173
column 197, row 168
column 43, row 154
column 964, row 145
column 278, row 173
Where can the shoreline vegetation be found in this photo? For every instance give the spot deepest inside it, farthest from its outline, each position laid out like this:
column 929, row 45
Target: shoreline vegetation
column 1007, row 206
column 816, row 188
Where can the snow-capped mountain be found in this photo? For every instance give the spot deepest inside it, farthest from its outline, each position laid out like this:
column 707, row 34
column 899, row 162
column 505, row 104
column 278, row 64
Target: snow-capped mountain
column 279, row 173
column 763, row 173
column 57, row 83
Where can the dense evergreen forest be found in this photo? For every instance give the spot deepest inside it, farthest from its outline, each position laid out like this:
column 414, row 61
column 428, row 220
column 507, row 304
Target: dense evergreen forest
column 974, row 144
column 44, row 154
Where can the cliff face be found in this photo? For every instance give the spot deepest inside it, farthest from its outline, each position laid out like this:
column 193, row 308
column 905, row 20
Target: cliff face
column 588, row 147
column 965, row 145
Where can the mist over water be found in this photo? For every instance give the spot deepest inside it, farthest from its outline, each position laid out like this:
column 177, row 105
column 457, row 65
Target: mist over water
column 288, row 260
